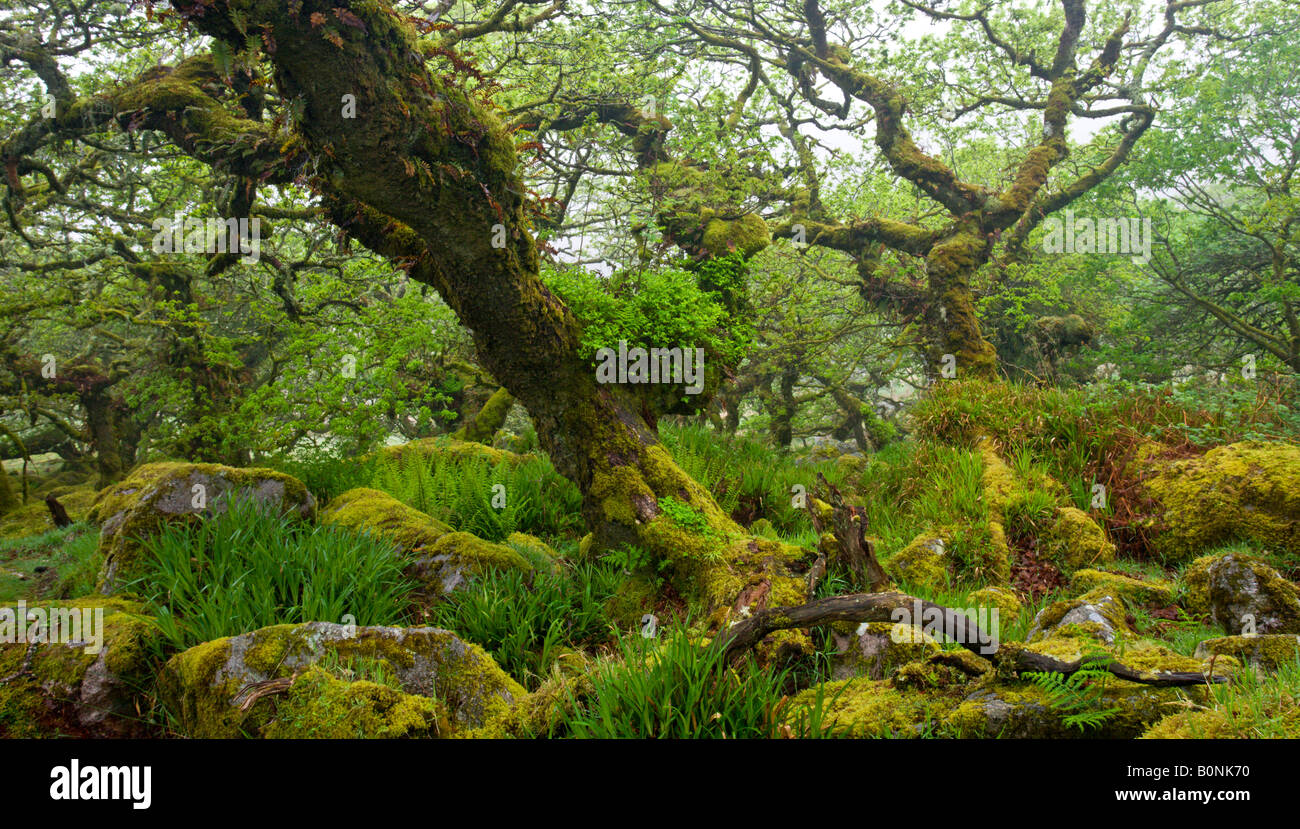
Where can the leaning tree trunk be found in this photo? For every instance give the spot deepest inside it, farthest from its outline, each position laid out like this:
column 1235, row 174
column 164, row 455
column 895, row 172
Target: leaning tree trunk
column 426, row 174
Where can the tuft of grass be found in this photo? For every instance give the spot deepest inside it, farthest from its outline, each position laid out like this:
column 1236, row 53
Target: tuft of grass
column 747, row 478
column 327, row 476
column 1255, row 705
column 248, row 568
column 467, row 494
column 674, row 687
column 526, row 621
column 58, row 564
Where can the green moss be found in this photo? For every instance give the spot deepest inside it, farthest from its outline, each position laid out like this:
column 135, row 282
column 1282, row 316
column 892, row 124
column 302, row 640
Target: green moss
column 202, row 686
column 1268, row 652
column 995, row 708
column 481, row 427
column 1098, row 613
column 998, row 481
column 1193, row 725
column 1248, row 490
column 543, row 712
column 1231, row 587
column 1003, row 599
column 921, row 563
column 58, row 689
column 1150, row 591
column 475, row 556
column 443, row 450
column 321, row 706
column 33, row 518
column 1075, row 540
column 877, row 649
column 1195, row 586
column 749, row 234
column 863, row 708
column 382, row 514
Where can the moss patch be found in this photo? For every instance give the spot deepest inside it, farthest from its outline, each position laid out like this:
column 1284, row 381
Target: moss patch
column 1248, row 490
column 921, row 563
column 321, row 706
column 380, row 513
column 1152, row 591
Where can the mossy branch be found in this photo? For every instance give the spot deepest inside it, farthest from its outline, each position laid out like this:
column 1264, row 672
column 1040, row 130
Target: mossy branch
column 881, row 607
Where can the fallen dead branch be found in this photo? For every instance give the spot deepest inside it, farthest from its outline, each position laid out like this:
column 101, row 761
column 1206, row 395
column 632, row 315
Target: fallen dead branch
column 882, row 607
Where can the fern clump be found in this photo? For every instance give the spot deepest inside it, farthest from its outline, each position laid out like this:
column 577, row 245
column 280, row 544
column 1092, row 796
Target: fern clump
column 1078, row 697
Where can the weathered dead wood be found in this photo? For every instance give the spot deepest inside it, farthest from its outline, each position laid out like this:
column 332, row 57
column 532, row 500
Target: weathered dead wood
column 849, row 526
column 882, row 607
column 57, row 512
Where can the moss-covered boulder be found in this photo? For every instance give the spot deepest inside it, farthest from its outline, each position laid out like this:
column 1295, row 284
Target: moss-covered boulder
column 1001, row 598
column 443, row 559
column 1266, row 652
column 542, row 713
column 210, row 689
column 369, row 510
column 1145, row 655
column 458, row 557
column 877, row 649
column 158, row 494
column 1242, row 594
column 91, row 686
column 996, row 708
column 1099, row 615
column 1025, row 708
column 1248, row 490
column 921, row 563
column 1075, row 540
column 1139, row 591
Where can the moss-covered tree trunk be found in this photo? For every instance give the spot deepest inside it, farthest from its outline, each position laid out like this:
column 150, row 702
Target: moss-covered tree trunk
column 953, row 335
column 426, row 173
column 102, row 424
